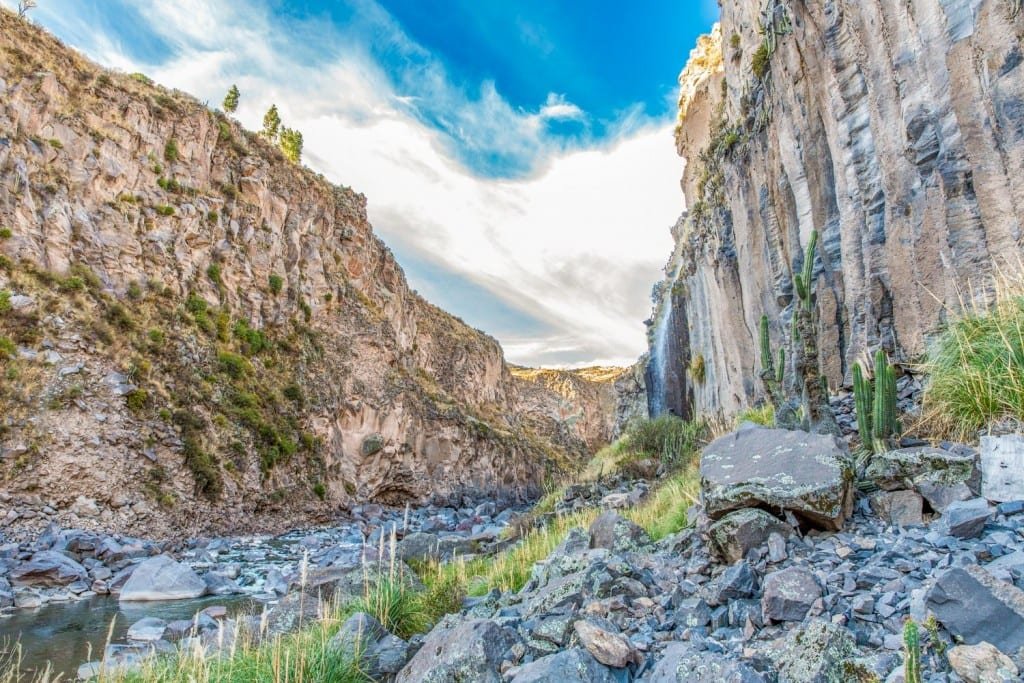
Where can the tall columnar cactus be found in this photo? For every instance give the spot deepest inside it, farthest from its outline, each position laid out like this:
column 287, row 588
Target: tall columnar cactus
column 911, row 653
column 818, row 416
column 862, row 400
column 883, row 420
column 771, row 375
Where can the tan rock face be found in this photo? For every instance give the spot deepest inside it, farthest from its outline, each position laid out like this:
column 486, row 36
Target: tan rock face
column 893, row 129
column 210, row 338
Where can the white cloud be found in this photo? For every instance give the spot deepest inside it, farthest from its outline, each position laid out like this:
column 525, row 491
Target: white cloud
column 577, row 245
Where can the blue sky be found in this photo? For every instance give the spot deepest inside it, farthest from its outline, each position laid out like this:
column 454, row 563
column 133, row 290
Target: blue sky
column 517, row 156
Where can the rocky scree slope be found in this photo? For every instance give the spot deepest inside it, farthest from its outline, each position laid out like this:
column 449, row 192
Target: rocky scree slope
column 199, row 336
column 894, row 129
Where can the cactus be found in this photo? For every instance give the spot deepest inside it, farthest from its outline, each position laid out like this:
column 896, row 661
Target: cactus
column 911, row 653
column 862, row 399
column 771, row 375
column 883, row 421
column 818, row 416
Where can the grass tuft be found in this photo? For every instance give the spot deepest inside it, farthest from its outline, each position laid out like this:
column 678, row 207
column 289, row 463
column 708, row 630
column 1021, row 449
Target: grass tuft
column 976, row 368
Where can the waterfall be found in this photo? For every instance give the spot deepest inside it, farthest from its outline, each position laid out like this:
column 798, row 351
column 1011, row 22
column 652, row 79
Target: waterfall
column 659, row 358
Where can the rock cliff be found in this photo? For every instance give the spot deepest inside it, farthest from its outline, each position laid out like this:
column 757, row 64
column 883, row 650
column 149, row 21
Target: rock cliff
column 894, row 129
column 198, row 335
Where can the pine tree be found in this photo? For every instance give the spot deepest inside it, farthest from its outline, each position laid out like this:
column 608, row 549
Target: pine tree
column 271, row 124
column 291, row 144
column 231, row 100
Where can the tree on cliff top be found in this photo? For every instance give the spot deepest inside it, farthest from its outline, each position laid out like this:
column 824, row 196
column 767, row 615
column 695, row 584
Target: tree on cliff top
column 24, row 6
column 291, row 144
column 231, row 100
column 271, row 124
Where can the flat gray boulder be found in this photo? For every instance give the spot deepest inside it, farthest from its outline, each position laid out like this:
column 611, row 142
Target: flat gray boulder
column 48, row 568
column 684, row 663
column 575, row 665
column 616, row 533
column 162, row 578
column 909, row 468
column 457, row 650
column 810, row 475
column 976, row 607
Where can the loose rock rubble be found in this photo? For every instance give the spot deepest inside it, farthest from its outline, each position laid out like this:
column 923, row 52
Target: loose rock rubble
column 763, row 599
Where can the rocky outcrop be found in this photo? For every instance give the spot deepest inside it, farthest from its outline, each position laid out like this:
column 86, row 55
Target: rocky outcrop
column 893, row 129
column 806, row 475
column 207, row 337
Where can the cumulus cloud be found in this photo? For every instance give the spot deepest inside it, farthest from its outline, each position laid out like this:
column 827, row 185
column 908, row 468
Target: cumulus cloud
column 571, row 244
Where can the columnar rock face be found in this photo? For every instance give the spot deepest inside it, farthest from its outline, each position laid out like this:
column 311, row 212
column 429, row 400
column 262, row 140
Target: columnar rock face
column 892, row 128
column 206, row 337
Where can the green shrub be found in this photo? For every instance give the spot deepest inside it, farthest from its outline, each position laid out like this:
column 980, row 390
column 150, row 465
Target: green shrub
column 156, row 336
column 307, row 312
column 667, row 437
column 203, row 466
column 137, row 400
column 196, row 304
column 171, row 151
column 91, row 279
column 7, row 348
column 164, row 210
column 976, row 369
column 697, row 368
column 293, row 392
column 118, row 316
column 276, row 282
column 213, row 272
column 233, row 365
column 72, row 283
column 760, row 62
column 141, row 78
column 134, row 291
column 5, row 301
column 253, row 340
column 5, row 233
column 320, row 490
column 55, row 143
column 212, row 216
column 734, row 41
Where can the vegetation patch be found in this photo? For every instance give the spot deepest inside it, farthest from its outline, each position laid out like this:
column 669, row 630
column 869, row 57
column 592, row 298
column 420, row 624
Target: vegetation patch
column 976, row 368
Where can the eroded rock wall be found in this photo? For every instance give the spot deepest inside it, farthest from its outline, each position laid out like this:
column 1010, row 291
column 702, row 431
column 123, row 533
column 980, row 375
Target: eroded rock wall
column 893, row 128
column 206, row 337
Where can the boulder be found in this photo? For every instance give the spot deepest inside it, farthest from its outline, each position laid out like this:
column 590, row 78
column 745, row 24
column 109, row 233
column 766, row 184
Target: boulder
column 610, row 649
column 423, row 546
column 162, row 578
column 48, row 568
column 982, row 663
column 976, row 607
column 940, row 497
column 148, row 630
column 684, row 663
column 616, row 533
column 1002, row 465
column 809, row 475
column 574, row 665
column 736, row 583
column 381, row 653
column 789, row 594
column 457, row 650
column 735, row 534
column 908, row 468
column 899, row 508
column 966, row 519
column 821, row 651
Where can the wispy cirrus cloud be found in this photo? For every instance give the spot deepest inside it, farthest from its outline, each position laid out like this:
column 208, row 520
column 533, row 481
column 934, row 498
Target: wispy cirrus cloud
column 547, row 241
